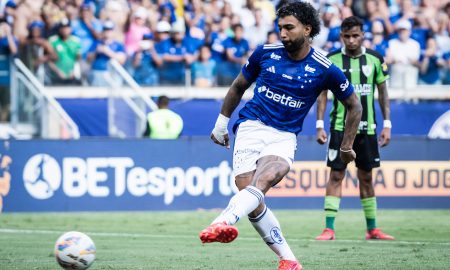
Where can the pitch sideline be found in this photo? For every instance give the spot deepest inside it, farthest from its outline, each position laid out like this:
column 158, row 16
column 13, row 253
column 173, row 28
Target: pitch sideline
column 143, row 235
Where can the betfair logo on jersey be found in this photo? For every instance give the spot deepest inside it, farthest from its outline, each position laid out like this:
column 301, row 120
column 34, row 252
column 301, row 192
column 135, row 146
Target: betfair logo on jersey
column 275, row 56
column 282, row 99
column 344, row 86
column 363, row 89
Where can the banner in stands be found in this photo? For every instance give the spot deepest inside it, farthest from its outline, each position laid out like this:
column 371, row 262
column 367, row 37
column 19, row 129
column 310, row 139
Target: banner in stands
column 188, row 174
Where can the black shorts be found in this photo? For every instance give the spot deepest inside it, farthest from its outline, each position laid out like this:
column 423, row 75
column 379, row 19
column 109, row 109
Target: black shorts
column 365, row 146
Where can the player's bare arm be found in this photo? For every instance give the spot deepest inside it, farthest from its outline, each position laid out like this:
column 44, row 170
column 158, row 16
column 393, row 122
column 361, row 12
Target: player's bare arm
column 234, row 95
column 219, row 134
column 383, row 100
column 321, row 134
column 354, row 112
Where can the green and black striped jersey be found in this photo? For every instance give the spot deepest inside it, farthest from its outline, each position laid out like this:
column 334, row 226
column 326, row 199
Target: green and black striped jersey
column 364, row 72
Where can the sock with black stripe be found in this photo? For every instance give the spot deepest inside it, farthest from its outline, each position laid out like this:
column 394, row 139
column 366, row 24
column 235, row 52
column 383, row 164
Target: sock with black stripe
column 269, row 229
column 240, row 205
column 331, row 209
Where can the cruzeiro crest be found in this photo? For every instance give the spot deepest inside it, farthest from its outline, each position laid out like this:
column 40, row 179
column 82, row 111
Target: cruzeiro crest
column 367, row 70
column 5, row 177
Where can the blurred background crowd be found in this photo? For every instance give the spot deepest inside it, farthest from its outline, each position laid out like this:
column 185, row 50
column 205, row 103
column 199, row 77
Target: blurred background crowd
column 205, row 43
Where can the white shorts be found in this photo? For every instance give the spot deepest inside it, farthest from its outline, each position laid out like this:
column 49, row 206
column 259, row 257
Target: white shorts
column 255, row 140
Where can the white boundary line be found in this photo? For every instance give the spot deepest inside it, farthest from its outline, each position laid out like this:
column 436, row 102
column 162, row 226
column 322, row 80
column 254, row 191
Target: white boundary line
column 165, row 236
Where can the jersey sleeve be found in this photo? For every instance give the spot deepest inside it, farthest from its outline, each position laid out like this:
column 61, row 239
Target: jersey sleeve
column 336, row 81
column 252, row 68
column 382, row 72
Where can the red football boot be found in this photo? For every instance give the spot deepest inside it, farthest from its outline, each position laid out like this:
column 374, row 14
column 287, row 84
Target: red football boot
column 327, row 234
column 289, row 265
column 378, row 234
column 218, row 232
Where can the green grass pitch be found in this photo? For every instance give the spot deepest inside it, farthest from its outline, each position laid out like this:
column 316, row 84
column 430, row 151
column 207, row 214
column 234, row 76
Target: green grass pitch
column 169, row 240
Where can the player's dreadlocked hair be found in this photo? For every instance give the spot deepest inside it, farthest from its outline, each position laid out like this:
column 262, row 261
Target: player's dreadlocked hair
column 351, row 22
column 304, row 13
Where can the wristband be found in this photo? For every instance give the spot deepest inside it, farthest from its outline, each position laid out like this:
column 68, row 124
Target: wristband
column 222, row 121
column 387, row 124
column 320, row 124
column 345, row 151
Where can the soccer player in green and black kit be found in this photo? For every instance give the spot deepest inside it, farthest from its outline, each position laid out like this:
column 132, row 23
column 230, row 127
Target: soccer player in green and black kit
column 366, row 70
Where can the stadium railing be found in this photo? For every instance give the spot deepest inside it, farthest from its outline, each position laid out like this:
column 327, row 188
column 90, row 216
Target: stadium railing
column 420, row 92
column 128, row 91
column 34, row 111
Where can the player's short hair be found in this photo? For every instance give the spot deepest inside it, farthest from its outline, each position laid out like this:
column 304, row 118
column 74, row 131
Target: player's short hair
column 163, row 101
column 304, row 13
column 351, row 22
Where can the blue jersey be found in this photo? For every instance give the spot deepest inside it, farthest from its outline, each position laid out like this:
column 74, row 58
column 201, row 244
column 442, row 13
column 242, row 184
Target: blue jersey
column 286, row 89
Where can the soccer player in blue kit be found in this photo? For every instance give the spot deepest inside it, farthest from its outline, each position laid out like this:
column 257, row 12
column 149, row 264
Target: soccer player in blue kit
column 288, row 78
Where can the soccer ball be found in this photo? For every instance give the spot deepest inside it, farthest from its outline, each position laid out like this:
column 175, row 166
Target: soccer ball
column 74, row 250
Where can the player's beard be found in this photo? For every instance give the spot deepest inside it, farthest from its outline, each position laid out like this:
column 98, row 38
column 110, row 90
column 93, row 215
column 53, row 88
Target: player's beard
column 294, row 45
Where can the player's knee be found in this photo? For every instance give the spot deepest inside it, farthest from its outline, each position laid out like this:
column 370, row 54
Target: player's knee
column 336, row 177
column 271, row 175
column 365, row 177
column 365, row 181
column 243, row 180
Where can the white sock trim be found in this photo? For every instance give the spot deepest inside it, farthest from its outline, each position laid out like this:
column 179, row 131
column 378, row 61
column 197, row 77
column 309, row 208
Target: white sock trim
column 256, row 192
column 260, row 216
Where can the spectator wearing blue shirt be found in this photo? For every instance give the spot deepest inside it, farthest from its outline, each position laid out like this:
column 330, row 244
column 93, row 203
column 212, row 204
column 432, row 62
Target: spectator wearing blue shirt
column 195, row 20
column 378, row 42
column 162, row 34
column 146, row 60
column 167, row 10
column 194, row 15
column 178, row 54
column 204, row 70
column 377, row 11
column 87, row 28
column 9, row 12
column 236, row 51
column 8, row 49
column 430, row 64
column 100, row 54
column 220, row 31
column 407, row 12
column 333, row 23
column 446, row 75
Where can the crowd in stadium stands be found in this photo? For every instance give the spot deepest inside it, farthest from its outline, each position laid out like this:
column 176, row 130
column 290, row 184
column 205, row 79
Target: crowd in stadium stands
column 71, row 42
